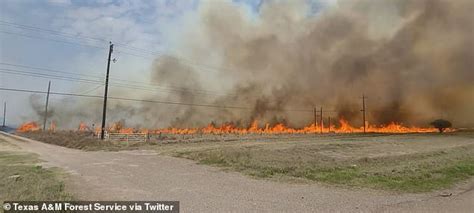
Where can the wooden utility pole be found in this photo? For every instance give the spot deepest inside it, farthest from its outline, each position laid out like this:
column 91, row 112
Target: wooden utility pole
column 321, row 118
column 46, row 107
column 363, row 110
column 104, row 110
column 4, row 113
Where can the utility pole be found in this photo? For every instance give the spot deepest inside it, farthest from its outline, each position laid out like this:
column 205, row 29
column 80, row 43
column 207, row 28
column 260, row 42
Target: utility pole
column 4, row 112
column 321, row 118
column 363, row 110
column 104, row 110
column 46, row 107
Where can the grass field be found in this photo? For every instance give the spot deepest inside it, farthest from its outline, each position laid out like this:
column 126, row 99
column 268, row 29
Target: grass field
column 22, row 178
column 398, row 162
column 406, row 163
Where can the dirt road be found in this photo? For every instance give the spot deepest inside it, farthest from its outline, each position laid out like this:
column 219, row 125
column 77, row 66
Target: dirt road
column 145, row 175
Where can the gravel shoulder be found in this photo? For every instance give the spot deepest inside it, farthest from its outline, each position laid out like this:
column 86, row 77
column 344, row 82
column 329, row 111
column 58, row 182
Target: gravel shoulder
column 146, row 175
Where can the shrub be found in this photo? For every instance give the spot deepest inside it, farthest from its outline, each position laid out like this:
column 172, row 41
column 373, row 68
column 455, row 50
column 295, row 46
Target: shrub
column 441, row 124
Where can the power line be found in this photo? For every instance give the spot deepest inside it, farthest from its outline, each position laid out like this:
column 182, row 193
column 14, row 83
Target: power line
column 78, row 80
column 117, row 82
column 59, row 33
column 86, row 92
column 183, row 61
column 70, row 73
column 99, row 77
column 64, row 34
column 125, row 46
column 147, row 101
column 74, row 36
column 204, row 92
column 55, row 40
column 49, row 70
column 114, row 84
column 71, row 35
column 46, row 76
column 122, row 98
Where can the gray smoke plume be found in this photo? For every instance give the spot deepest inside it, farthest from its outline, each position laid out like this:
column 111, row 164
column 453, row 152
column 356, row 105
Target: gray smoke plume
column 412, row 59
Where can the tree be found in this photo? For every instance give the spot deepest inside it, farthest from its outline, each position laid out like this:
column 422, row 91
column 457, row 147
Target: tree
column 441, row 124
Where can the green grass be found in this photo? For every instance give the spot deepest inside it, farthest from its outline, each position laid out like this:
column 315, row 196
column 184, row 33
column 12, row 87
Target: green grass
column 21, row 178
column 418, row 172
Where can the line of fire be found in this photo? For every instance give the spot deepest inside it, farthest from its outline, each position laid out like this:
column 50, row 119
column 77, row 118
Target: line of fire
column 342, row 126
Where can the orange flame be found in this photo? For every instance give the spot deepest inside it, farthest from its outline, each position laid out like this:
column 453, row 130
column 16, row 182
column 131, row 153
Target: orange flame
column 343, row 126
column 116, row 127
column 97, row 130
column 126, row 130
column 280, row 128
column 83, row 127
column 52, row 127
column 28, row 127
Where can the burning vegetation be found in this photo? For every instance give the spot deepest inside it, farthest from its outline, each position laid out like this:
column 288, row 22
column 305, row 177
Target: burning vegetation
column 28, row 127
column 342, row 127
column 229, row 128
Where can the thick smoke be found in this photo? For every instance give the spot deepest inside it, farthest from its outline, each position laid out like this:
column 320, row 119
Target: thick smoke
column 412, row 59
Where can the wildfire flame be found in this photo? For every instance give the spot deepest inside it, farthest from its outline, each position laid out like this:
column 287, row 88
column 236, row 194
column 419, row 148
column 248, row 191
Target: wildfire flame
column 127, row 130
column 28, row 127
column 229, row 128
column 83, row 127
column 343, row 127
column 52, row 127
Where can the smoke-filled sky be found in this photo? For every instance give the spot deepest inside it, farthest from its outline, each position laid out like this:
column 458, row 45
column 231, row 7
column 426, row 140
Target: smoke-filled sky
column 273, row 61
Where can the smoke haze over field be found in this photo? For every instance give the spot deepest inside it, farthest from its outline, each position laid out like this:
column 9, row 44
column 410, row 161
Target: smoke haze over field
column 413, row 59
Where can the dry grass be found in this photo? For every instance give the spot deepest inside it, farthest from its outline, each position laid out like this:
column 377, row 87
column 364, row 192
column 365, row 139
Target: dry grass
column 409, row 163
column 78, row 140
